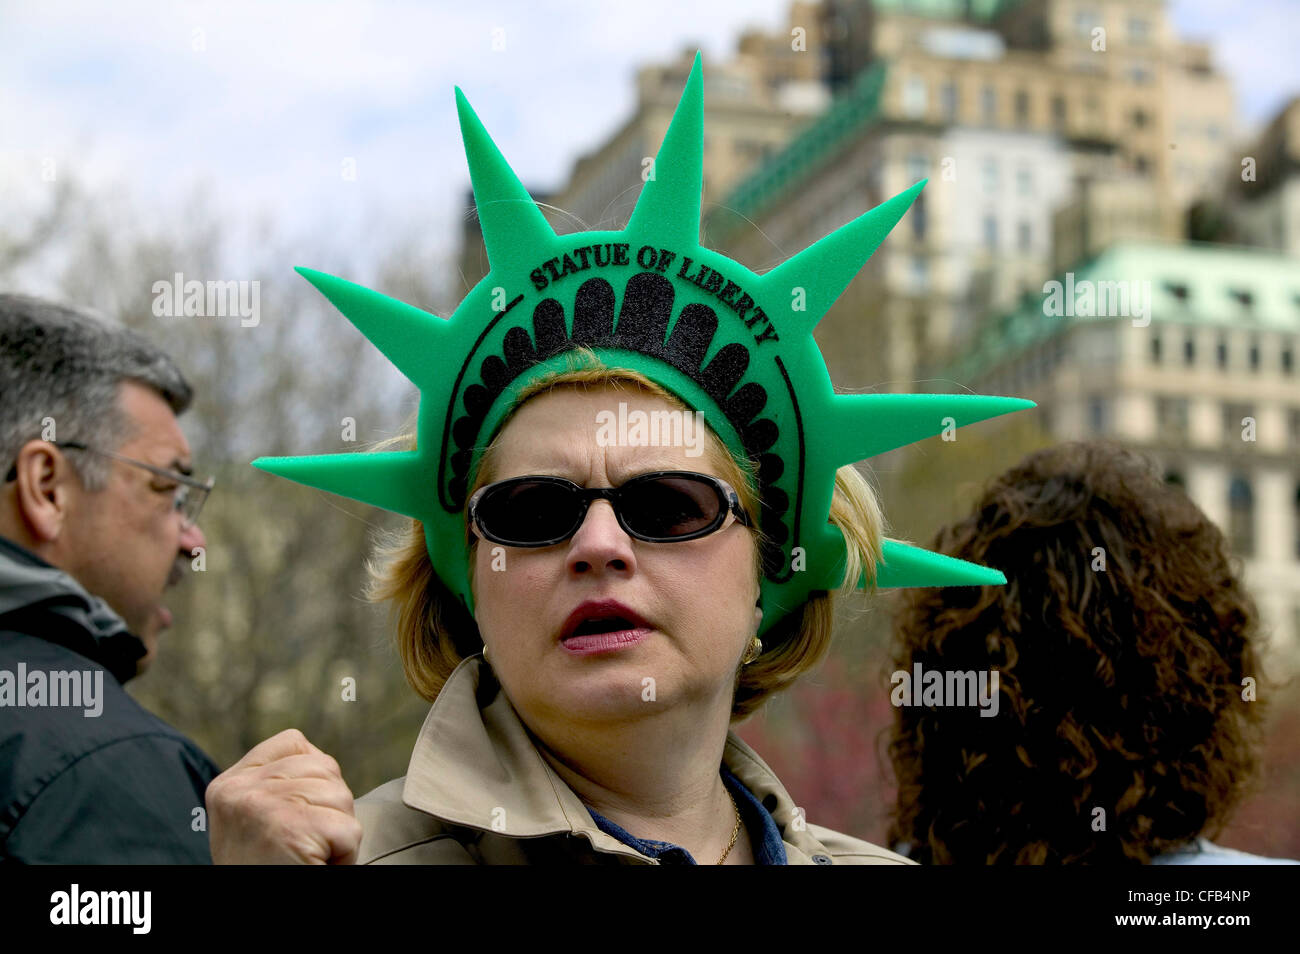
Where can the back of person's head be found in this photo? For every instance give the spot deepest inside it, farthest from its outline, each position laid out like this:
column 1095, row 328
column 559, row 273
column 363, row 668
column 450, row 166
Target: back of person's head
column 1124, row 641
column 67, row 365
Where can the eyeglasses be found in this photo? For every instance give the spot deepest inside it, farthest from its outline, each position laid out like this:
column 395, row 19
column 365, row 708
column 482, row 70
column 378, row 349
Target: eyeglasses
column 190, row 493
column 661, row 507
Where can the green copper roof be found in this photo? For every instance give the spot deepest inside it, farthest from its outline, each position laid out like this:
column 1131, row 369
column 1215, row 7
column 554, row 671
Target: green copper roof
column 970, row 10
column 848, row 113
column 1190, row 283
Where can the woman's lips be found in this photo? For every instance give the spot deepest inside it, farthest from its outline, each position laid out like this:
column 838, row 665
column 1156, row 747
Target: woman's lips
column 591, row 644
column 601, row 610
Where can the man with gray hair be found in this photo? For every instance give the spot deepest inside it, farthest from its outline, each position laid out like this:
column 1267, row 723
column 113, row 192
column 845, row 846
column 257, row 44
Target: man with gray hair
column 97, row 519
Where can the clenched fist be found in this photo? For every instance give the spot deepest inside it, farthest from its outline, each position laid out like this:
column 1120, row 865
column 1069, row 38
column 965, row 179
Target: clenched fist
column 285, row 802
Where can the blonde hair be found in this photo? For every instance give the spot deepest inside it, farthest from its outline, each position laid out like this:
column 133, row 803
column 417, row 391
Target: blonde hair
column 434, row 632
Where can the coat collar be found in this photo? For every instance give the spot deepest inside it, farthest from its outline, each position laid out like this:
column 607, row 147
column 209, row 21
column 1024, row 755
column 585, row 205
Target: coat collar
column 475, row 766
column 37, row 597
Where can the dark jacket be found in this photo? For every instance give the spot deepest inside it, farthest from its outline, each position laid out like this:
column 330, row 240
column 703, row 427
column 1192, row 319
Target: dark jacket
column 87, row 776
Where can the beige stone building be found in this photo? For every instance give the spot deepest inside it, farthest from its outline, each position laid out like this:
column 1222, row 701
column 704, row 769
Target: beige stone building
column 1102, row 212
column 1008, row 109
column 753, row 104
column 1263, row 186
column 1188, row 353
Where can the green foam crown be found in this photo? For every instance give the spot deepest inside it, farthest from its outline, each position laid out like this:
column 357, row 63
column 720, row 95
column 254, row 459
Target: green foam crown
column 732, row 344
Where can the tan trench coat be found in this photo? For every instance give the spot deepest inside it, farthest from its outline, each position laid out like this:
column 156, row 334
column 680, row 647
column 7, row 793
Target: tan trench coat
column 478, row 792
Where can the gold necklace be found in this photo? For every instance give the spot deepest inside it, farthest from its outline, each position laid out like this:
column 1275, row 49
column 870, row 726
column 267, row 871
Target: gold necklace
column 735, row 832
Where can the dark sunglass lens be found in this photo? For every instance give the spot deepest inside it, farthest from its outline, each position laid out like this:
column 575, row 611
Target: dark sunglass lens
column 670, row 506
column 529, row 511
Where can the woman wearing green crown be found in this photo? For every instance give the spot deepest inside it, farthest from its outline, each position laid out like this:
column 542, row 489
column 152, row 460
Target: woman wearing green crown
column 590, row 603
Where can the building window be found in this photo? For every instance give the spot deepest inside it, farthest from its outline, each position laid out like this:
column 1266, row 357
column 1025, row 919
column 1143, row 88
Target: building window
column 1139, row 74
column 1189, row 351
column 1296, row 523
column 1085, row 19
column 1141, row 165
column 918, row 218
column 920, row 273
column 1241, row 516
column 1097, row 416
column 990, row 231
column 1139, row 30
column 921, row 331
column 990, row 170
column 1058, row 111
column 1221, row 354
column 1025, row 181
column 1022, row 108
column 948, row 100
column 1293, row 428
column 1242, row 297
column 1155, row 349
column 1024, row 236
column 914, row 96
column 1178, row 290
column 989, row 104
column 1172, row 418
column 1287, row 360
column 1234, row 418
column 917, row 167
column 1139, row 118
column 1254, row 355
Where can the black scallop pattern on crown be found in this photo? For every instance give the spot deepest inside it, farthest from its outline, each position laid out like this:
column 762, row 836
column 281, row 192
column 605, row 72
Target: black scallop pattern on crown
column 642, row 326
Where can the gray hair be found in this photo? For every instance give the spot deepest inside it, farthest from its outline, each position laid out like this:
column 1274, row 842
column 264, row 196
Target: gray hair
column 68, row 364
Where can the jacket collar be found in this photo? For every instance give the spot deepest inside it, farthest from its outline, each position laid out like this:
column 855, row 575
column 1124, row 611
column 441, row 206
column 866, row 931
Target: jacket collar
column 41, row 600
column 475, row 766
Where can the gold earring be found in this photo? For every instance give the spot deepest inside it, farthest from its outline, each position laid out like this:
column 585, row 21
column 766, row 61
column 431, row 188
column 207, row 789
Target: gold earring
column 485, row 655
column 753, row 652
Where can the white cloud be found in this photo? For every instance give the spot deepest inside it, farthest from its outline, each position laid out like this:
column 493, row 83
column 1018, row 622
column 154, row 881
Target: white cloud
column 282, row 92
column 263, row 101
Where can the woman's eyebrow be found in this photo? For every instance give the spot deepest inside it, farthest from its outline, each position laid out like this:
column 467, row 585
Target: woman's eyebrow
column 552, row 461
column 550, row 470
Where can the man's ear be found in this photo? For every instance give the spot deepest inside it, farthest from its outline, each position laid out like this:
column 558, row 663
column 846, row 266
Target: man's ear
column 45, row 488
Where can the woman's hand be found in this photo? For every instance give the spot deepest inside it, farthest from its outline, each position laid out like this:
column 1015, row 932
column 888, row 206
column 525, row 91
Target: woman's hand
column 285, row 802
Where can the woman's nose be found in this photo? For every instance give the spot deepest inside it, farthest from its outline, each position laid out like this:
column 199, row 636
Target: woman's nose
column 600, row 542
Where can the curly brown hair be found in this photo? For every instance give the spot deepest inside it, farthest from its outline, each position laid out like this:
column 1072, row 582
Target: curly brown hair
column 1121, row 681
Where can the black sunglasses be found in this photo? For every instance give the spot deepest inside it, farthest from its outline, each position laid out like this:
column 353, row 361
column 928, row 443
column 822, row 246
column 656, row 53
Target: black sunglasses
column 662, row 507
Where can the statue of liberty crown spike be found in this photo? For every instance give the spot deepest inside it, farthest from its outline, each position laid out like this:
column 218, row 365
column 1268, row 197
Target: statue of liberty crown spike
column 726, row 341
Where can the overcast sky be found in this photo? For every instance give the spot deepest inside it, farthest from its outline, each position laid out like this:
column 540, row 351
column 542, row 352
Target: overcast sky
column 259, row 104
